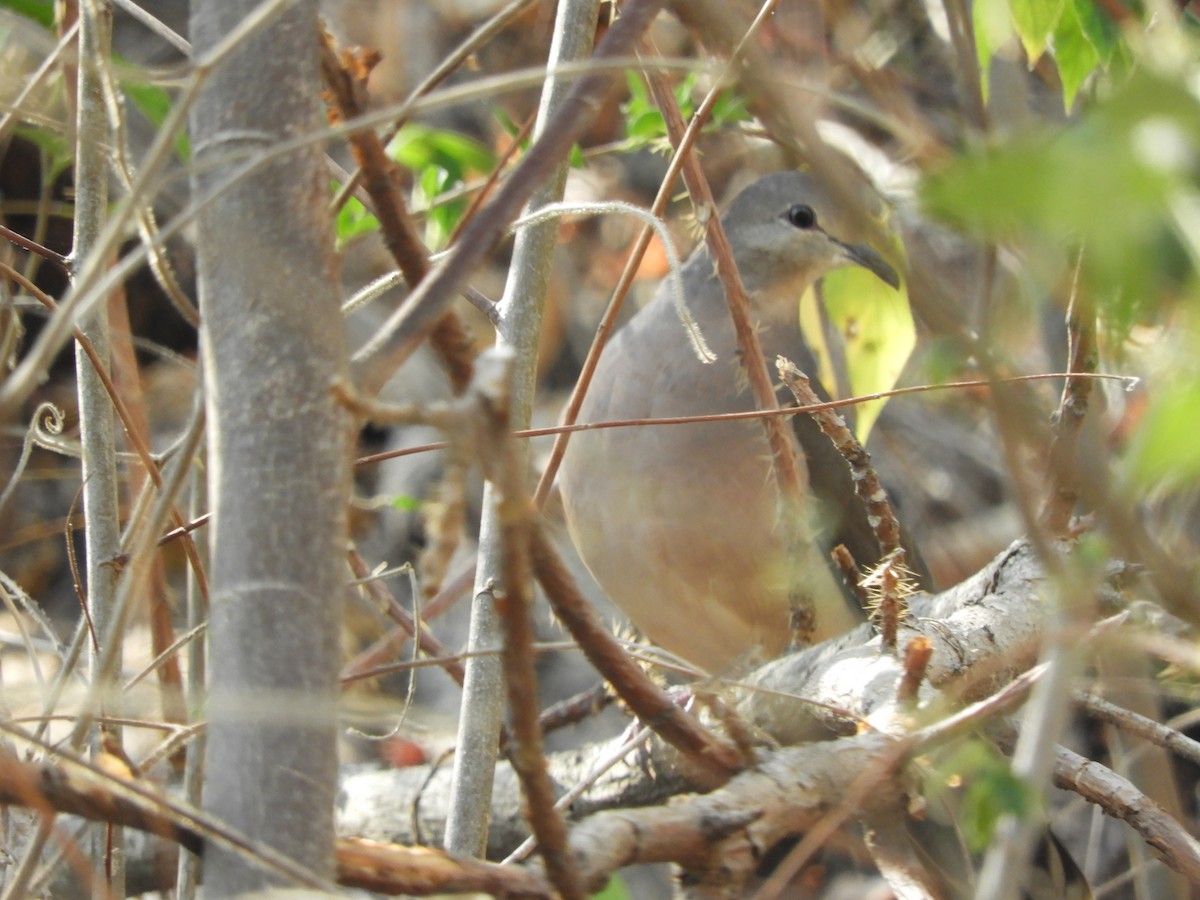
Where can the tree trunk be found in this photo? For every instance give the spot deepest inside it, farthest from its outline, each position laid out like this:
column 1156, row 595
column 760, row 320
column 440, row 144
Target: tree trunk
column 271, row 341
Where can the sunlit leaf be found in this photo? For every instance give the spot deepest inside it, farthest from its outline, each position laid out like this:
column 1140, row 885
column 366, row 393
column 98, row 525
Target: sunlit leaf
column 992, row 22
column 875, row 325
column 615, row 889
column 440, row 160
column 406, row 503
column 416, row 146
column 877, row 331
column 1035, row 22
column 1074, row 53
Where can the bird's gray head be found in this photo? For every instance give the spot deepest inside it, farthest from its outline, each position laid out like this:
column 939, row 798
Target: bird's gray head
column 786, row 231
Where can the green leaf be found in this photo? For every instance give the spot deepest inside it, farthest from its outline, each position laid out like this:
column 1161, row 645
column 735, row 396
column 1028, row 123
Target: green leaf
column 1108, row 183
column 992, row 22
column 683, row 95
column 646, row 127
column 730, row 109
column 353, row 220
column 989, row 791
column 1165, row 452
column 417, row 146
column 59, row 150
column 994, row 792
column 1035, row 22
column 877, row 330
column 615, row 889
column 510, row 127
column 1099, row 29
column 40, row 11
column 439, row 219
column 1074, row 53
column 155, row 104
column 406, row 503
column 440, row 160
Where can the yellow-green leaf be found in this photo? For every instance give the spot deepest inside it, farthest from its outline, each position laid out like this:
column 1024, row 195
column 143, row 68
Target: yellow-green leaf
column 1074, row 53
column 992, row 22
column 1035, row 21
column 1165, row 450
column 875, row 324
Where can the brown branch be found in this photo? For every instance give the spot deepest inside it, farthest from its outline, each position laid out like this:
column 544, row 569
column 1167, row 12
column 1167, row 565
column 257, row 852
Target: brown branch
column 420, row 871
column 866, row 480
column 388, row 646
column 346, row 77
column 889, row 577
column 127, row 377
column 710, row 760
column 385, row 868
column 34, row 247
column 1119, row 798
column 444, row 70
column 1063, row 463
column 1132, row 723
column 976, row 384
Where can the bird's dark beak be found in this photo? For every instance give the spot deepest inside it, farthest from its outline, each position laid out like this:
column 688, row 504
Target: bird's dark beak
column 862, row 255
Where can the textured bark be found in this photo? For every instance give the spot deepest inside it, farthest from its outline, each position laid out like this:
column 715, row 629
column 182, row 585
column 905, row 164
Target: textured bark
column 272, row 343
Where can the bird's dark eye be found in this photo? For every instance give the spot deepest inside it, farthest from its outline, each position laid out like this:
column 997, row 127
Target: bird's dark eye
column 802, row 216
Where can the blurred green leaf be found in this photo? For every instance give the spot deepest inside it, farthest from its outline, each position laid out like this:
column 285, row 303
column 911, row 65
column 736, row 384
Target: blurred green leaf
column 406, row 503
column 1074, row 52
column 510, row 127
column 646, row 126
column 730, row 109
column 1035, row 22
column 1165, row 451
column 40, row 11
column 59, row 151
column 1081, row 37
column 989, row 791
column 614, row 890
column 440, row 160
column 155, row 104
column 440, row 218
column 1105, row 183
column 992, row 22
column 683, row 95
column 1099, row 29
column 644, row 123
column 353, row 220
column 416, row 146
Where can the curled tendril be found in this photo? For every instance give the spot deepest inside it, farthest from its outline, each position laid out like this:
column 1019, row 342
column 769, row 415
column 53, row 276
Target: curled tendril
column 48, row 422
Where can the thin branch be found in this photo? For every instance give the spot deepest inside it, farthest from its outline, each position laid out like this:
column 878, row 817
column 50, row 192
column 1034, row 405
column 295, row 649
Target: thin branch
column 346, row 77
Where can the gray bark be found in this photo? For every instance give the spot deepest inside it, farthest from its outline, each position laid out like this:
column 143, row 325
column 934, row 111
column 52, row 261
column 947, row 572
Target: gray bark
column 278, row 456
column 520, row 328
